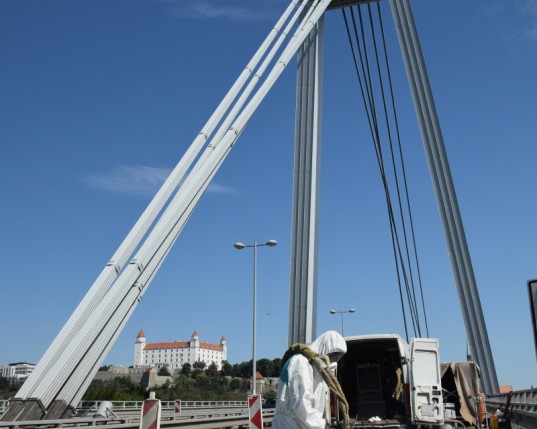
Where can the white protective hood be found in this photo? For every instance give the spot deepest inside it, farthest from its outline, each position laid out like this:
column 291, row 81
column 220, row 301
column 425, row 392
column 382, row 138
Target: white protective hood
column 329, row 342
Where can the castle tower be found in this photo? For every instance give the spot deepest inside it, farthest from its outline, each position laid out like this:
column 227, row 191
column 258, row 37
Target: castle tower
column 139, row 347
column 195, row 347
column 223, row 343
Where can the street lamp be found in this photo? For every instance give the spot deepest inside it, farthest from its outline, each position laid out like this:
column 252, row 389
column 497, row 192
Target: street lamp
column 350, row 310
column 241, row 246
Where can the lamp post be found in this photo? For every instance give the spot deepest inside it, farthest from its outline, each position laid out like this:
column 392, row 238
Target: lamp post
column 241, row 246
column 350, row 310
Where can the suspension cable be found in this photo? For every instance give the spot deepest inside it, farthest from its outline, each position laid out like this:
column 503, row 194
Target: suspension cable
column 403, row 169
column 369, row 106
column 409, row 287
column 363, row 72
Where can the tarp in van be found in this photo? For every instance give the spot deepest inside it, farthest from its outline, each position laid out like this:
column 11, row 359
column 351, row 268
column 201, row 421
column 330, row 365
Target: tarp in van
column 460, row 381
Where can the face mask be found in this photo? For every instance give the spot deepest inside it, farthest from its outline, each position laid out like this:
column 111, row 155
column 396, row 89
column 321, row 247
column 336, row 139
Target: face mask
column 335, row 357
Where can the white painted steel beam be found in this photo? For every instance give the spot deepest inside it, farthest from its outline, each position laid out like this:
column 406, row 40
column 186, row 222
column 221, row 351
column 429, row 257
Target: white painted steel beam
column 120, row 257
column 445, row 193
column 204, row 173
column 306, row 184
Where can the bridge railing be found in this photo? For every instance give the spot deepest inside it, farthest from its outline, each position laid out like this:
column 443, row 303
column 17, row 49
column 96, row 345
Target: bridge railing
column 185, row 405
column 118, row 406
column 207, row 404
column 522, row 409
column 521, row 400
column 130, row 422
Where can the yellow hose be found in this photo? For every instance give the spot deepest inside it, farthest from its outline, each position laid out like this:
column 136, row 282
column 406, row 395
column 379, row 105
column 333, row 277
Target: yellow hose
column 399, row 384
column 458, row 422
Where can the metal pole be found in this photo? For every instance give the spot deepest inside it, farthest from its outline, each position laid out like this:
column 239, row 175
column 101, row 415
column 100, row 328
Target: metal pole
column 240, row 246
column 254, row 319
column 350, row 310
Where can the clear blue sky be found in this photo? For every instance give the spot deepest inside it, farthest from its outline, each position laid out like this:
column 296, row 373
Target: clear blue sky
column 100, row 99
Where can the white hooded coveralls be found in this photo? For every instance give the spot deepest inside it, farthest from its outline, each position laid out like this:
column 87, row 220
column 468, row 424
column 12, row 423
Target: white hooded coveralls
column 302, row 399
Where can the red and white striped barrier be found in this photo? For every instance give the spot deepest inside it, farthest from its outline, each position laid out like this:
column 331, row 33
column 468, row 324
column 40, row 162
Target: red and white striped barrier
column 177, row 407
column 254, row 411
column 150, row 416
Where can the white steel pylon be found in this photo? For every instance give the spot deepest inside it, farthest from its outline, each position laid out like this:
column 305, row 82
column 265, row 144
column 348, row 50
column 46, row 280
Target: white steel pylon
column 306, row 178
column 303, row 279
column 446, row 196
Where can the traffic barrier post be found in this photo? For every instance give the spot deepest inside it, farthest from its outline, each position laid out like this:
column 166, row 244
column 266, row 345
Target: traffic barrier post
column 150, row 415
column 254, row 411
column 177, row 408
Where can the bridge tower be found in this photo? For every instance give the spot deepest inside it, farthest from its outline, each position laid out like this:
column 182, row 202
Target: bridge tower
column 303, row 278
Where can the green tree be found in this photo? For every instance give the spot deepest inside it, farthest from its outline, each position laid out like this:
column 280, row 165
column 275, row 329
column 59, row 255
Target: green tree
column 186, row 369
column 202, row 381
column 245, row 384
column 164, row 371
column 276, row 367
column 198, row 368
column 199, row 365
column 9, row 387
column 212, row 370
column 265, row 367
column 192, row 384
column 118, row 389
column 235, row 384
column 243, row 369
column 4, row 383
column 227, row 368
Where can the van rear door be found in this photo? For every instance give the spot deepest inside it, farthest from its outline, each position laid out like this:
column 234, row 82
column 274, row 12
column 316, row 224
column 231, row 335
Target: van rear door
column 426, row 404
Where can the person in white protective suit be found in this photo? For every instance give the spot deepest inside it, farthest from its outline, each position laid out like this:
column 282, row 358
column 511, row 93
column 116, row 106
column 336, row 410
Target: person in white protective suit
column 302, row 399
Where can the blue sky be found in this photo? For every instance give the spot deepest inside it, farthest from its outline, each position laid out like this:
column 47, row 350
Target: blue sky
column 100, row 99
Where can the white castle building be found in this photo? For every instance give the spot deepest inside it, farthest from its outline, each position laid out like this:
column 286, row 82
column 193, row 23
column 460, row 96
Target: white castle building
column 175, row 354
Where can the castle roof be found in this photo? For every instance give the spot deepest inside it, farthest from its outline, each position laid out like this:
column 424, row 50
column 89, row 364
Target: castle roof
column 168, row 345
column 181, row 345
column 210, row 346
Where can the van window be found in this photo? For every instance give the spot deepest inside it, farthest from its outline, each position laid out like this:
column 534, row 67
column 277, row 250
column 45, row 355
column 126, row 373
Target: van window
column 426, row 361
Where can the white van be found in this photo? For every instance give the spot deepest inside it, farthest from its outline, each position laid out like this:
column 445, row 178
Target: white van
column 389, row 383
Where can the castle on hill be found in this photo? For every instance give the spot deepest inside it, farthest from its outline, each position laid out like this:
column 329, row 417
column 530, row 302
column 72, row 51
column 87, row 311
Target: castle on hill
column 174, row 354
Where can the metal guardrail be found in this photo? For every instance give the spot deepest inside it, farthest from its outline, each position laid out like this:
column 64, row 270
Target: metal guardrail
column 521, row 400
column 196, row 418
column 137, row 405
column 522, row 408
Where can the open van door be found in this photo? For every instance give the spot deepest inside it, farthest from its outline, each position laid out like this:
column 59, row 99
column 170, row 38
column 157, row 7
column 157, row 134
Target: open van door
column 426, row 404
